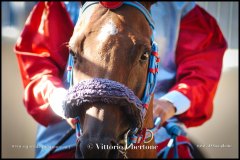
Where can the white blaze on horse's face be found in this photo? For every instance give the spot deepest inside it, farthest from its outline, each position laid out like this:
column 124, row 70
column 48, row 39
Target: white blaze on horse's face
column 107, row 30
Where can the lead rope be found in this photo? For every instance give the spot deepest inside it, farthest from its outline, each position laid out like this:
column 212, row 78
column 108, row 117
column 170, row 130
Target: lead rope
column 174, row 130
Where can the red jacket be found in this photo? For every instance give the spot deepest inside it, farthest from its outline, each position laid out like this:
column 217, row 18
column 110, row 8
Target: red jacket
column 42, row 55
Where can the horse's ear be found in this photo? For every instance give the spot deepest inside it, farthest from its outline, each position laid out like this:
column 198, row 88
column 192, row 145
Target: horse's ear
column 147, row 4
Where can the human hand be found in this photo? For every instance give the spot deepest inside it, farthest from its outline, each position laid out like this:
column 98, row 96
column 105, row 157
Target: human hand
column 56, row 99
column 72, row 122
column 163, row 109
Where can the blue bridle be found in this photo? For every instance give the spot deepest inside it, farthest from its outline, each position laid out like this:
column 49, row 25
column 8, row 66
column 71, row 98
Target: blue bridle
column 154, row 59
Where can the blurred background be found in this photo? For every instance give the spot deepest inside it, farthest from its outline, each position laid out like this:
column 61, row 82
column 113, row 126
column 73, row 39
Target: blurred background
column 217, row 138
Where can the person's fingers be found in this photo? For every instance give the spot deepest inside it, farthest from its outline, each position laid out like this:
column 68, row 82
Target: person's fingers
column 163, row 109
column 159, row 112
column 155, row 113
column 72, row 122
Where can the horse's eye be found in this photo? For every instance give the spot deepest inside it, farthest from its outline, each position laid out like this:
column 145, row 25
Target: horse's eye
column 145, row 56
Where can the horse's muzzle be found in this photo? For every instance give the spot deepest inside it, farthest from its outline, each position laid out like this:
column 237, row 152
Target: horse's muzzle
column 105, row 91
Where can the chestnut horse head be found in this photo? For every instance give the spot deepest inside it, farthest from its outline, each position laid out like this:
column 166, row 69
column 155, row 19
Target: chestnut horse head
column 111, row 46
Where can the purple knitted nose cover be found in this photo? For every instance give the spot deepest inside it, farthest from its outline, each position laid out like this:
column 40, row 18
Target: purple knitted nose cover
column 103, row 91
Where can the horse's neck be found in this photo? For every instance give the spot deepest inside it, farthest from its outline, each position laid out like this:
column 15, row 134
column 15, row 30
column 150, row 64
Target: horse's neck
column 148, row 123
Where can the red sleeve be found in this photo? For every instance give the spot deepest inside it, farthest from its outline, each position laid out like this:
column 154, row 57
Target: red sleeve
column 42, row 55
column 199, row 55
